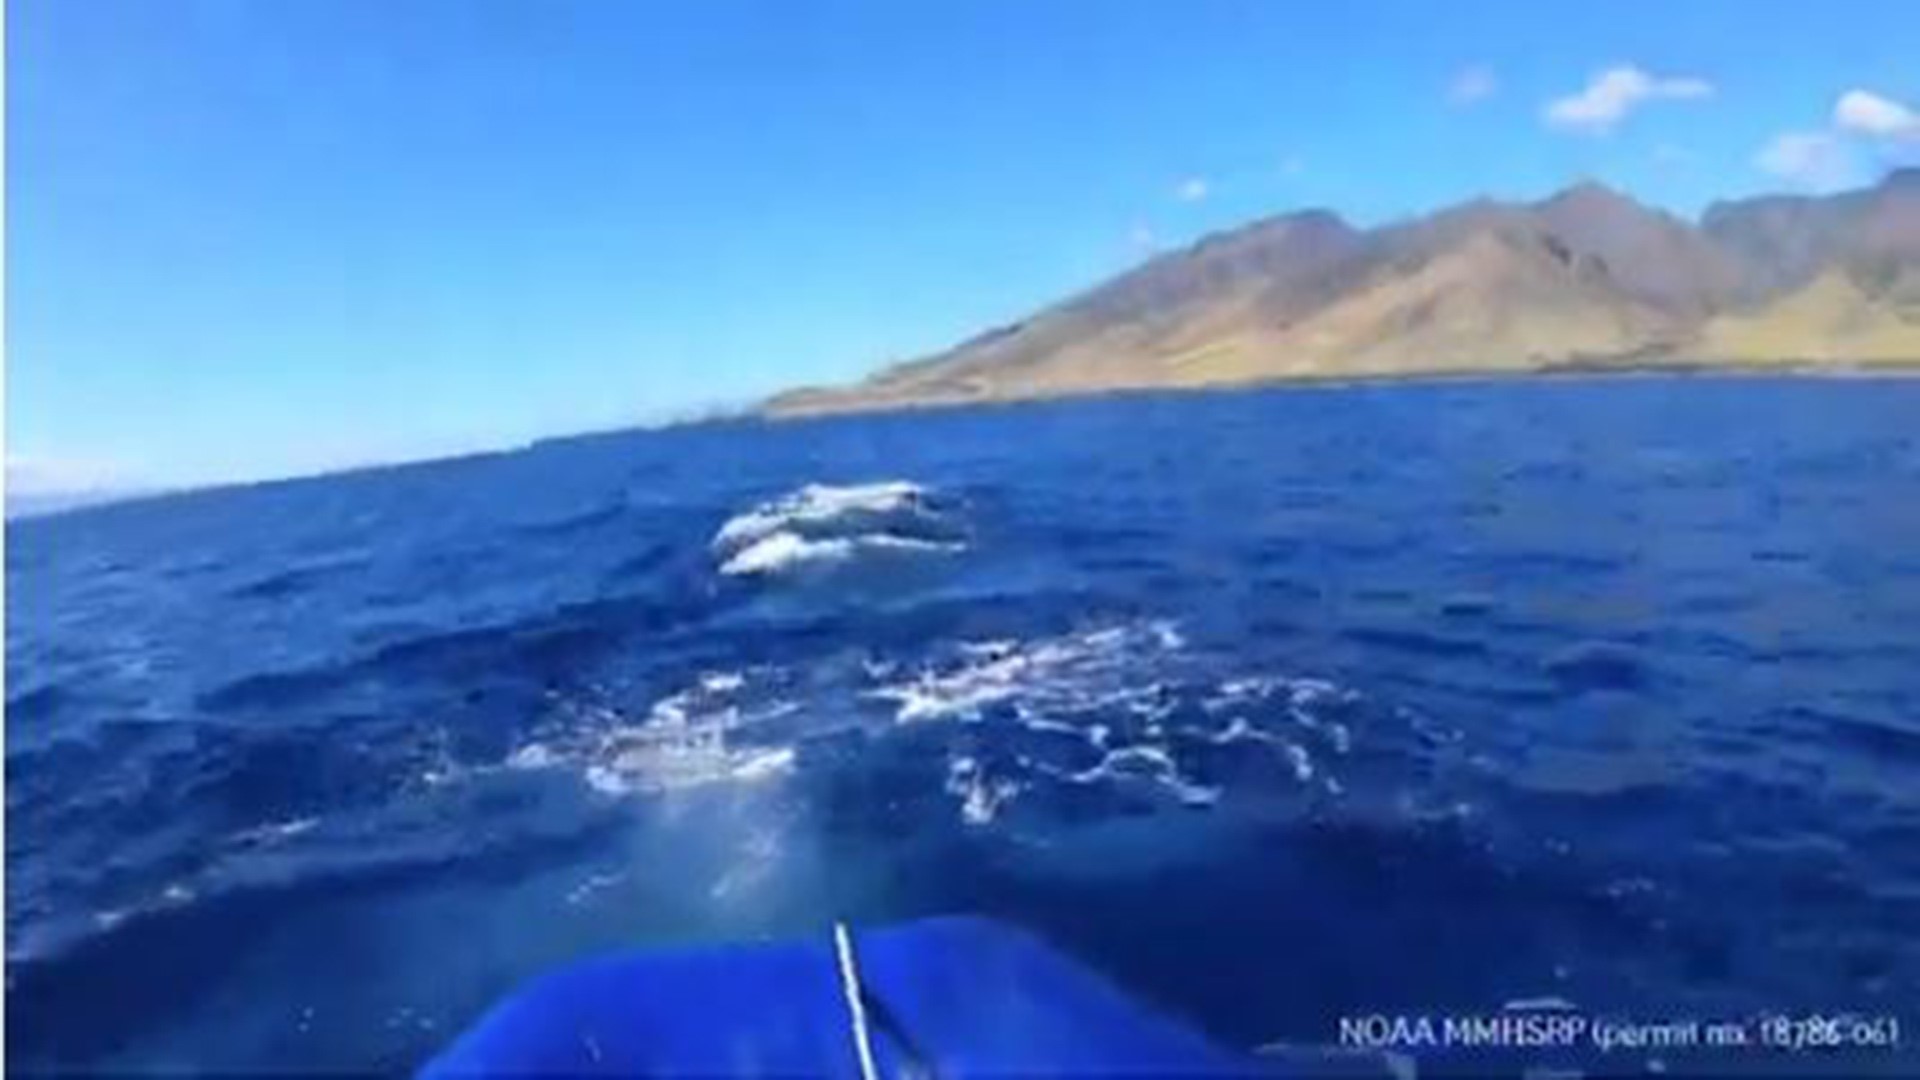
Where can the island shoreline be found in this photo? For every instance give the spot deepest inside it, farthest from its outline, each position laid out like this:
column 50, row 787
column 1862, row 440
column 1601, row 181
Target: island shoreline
column 1597, row 372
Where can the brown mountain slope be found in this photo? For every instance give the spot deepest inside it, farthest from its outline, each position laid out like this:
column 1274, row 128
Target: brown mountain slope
column 1131, row 331
column 1652, row 256
column 1785, row 241
column 1509, row 297
column 1839, row 317
column 1586, row 277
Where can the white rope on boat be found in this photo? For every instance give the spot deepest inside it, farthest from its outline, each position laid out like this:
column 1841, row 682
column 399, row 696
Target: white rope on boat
column 850, row 985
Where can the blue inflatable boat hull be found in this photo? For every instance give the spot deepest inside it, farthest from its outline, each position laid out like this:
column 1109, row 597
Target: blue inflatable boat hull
column 949, row 998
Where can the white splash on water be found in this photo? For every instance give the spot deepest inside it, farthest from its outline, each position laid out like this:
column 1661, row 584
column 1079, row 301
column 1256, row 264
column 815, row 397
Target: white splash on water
column 1130, row 692
column 275, row 831
column 980, row 795
column 534, row 755
column 818, row 504
column 786, row 551
column 1151, row 764
column 823, row 524
column 1126, row 704
column 1041, row 680
column 1301, row 761
column 695, row 736
column 593, row 884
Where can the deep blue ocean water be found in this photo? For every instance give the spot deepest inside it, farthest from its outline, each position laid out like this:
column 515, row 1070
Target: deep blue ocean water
column 1275, row 706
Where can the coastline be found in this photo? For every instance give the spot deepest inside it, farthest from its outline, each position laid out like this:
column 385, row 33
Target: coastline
column 770, row 410
column 762, row 414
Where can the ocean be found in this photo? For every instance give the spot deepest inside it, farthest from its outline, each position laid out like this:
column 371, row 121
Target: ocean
column 1278, row 707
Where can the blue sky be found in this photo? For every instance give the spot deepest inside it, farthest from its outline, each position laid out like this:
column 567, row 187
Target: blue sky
column 259, row 237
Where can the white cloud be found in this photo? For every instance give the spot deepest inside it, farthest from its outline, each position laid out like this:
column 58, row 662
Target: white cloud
column 1617, row 91
column 1863, row 112
column 1471, row 85
column 1292, row 165
column 1814, row 160
column 1192, row 189
column 1142, row 240
column 1864, row 128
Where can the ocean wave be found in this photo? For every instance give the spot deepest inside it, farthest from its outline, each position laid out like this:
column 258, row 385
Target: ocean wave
column 384, row 842
column 981, row 795
column 274, row 832
column 823, row 525
column 174, row 896
column 300, row 576
column 696, row 736
column 593, row 884
column 785, row 551
column 1150, row 764
column 657, row 765
column 822, row 504
column 1124, row 705
column 1041, row 679
column 1128, row 705
column 1598, row 665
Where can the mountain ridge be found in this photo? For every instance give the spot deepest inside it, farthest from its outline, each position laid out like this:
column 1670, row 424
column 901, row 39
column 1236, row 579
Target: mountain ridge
column 1587, row 278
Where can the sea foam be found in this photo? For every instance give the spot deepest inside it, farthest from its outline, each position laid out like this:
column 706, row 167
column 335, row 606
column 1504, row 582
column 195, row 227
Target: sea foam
column 822, row 525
